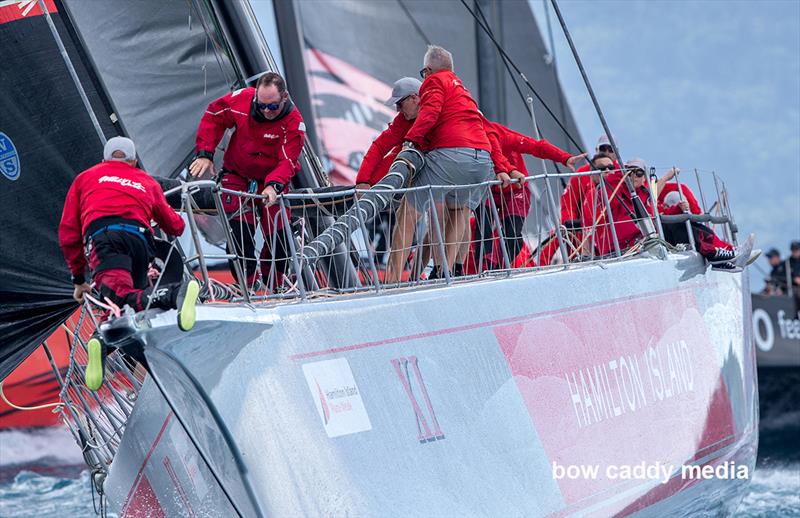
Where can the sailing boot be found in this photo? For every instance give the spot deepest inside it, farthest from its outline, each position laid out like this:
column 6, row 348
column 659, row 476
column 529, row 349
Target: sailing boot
column 96, row 363
column 186, row 304
column 180, row 296
column 436, row 272
column 458, row 270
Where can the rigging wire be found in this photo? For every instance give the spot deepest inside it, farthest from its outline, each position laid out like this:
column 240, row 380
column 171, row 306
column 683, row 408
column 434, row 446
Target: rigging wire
column 414, row 22
column 554, row 60
column 527, row 82
column 72, row 73
column 644, row 223
column 528, row 107
column 505, row 63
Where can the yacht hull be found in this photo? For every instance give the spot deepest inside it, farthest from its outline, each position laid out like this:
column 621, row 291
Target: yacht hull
column 463, row 400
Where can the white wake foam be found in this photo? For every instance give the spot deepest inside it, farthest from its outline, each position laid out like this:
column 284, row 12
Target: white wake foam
column 52, row 446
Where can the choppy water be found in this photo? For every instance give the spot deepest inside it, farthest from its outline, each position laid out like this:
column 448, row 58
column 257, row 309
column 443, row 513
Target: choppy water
column 42, row 475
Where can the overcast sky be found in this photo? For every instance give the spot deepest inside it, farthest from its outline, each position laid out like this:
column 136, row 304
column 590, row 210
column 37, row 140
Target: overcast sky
column 710, row 84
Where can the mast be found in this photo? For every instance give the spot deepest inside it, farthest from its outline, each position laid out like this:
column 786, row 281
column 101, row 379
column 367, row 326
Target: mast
column 291, row 37
column 490, row 76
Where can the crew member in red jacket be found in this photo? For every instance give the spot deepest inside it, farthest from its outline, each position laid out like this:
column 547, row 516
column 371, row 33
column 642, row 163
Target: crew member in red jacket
column 261, row 158
column 572, row 201
column 108, row 209
column 384, row 149
column 621, row 206
column 572, row 204
column 386, row 146
column 672, row 202
column 513, row 202
column 574, row 194
column 450, row 129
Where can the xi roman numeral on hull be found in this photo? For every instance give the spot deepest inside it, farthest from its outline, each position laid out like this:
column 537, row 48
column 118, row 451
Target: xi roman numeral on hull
column 401, row 367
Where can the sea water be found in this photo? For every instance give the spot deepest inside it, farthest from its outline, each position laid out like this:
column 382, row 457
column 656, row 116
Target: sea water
column 42, row 473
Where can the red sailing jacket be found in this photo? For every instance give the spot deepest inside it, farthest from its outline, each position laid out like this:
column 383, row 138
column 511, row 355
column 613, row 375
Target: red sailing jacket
column 669, row 187
column 448, row 115
column 111, row 188
column 499, row 157
column 517, row 202
column 376, row 162
column 265, row 151
column 516, row 144
column 621, row 210
column 572, row 200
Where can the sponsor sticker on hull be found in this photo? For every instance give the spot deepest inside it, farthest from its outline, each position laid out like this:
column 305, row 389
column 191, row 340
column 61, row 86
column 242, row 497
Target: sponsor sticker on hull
column 337, row 397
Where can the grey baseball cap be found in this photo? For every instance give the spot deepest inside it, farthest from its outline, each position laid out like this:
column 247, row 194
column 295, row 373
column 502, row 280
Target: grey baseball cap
column 123, row 144
column 603, row 141
column 636, row 163
column 403, row 87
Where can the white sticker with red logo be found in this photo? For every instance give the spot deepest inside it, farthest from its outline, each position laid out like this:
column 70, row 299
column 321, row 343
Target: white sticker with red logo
column 337, row 397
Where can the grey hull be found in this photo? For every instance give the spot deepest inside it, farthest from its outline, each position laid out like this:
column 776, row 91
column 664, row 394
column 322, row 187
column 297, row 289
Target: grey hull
column 462, row 400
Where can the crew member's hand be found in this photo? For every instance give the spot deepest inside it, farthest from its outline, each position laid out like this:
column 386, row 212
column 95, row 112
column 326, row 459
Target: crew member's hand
column 519, row 177
column 505, row 179
column 270, row 194
column 80, row 290
column 200, row 167
column 670, row 174
column 684, row 205
column 408, row 145
column 363, row 186
column 571, row 161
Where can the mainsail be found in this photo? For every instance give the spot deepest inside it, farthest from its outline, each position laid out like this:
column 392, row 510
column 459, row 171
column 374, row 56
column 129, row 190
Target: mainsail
column 351, row 69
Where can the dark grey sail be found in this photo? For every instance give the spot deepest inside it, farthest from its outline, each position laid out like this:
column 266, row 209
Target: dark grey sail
column 351, row 68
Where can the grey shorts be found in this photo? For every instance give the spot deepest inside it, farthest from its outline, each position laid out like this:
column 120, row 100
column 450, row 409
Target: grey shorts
column 453, row 166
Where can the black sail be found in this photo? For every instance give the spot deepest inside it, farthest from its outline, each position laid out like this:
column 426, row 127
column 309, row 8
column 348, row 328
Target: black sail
column 46, row 136
column 148, row 70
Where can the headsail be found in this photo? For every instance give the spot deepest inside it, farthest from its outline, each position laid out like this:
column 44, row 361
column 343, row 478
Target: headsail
column 46, row 135
column 154, row 95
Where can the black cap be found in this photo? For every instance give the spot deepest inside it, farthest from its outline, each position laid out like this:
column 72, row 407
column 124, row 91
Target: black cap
column 794, row 246
column 773, row 252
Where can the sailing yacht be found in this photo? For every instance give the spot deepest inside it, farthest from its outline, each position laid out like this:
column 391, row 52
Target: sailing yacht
column 515, row 391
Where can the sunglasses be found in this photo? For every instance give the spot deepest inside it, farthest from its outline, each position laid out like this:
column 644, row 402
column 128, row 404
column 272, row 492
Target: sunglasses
column 271, row 106
column 638, row 173
column 399, row 103
column 605, row 168
column 606, row 149
column 424, row 72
